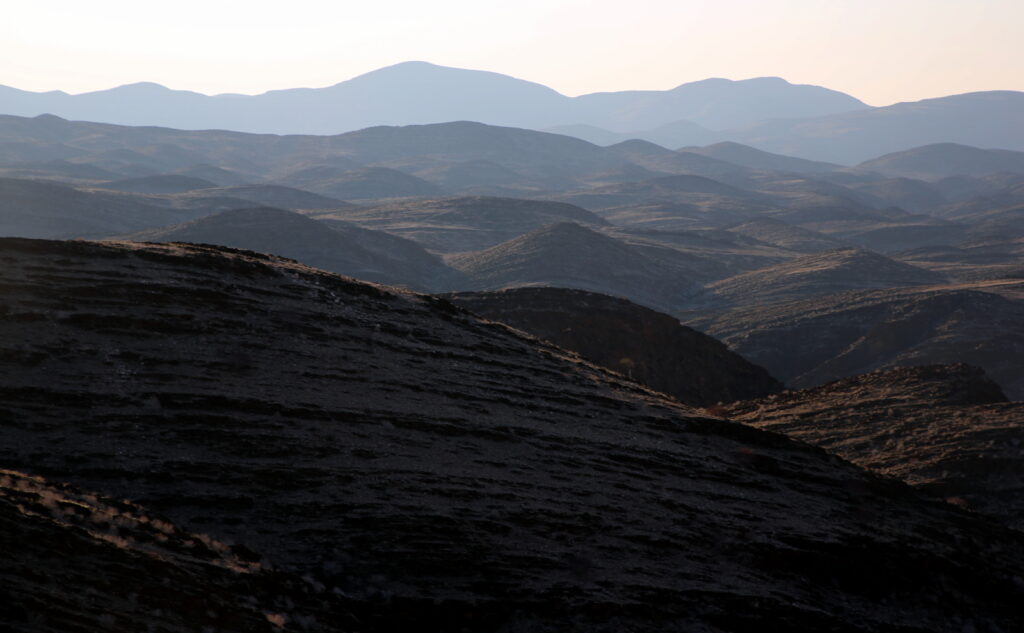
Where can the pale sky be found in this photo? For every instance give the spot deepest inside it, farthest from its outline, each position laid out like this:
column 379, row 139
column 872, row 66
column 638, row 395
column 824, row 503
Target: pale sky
column 881, row 51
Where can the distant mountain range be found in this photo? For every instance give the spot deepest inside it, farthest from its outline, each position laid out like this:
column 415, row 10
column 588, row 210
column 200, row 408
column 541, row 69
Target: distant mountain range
column 768, row 113
column 418, row 92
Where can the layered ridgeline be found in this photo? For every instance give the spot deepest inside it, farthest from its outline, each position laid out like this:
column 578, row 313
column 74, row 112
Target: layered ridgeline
column 446, row 472
column 769, row 113
column 652, row 348
column 418, row 92
column 947, row 429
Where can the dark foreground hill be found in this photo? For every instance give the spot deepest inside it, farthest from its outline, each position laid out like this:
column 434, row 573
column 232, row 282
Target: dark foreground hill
column 75, row 561
column 946, row 429
column 447, row 473
column 648, row 346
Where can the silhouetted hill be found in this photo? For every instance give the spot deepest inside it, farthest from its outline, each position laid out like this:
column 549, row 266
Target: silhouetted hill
column 649, row 347
column 478, row 177
column 163, row 183
column 670, row 202
column 979, row 119
column 30, row 208
column 810, row 342
column 753, row 158
column 358, row 184
column 941, row 160
column 712, row 103
column 962, row 188
column 672, row 134
column 658, row 159
column 787, row 236
column 947, row 430
column 467, row 223
column 909, row 194
column 436, row 468
column 58, row 169
column 221, row 177
column 273, row 196
column 570, row 255
column 536, row 158
column 419, row 92
column 360, row 253
column 820, row 274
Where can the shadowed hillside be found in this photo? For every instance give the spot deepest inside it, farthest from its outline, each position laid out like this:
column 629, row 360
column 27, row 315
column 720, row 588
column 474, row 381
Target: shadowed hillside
column 31, row 208
column 440, row 469
column 809, row 342
column 75, row 561
column 946, row 429
column 649, row 347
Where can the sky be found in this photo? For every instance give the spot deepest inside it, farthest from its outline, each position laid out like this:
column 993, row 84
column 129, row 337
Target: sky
column 881, row 51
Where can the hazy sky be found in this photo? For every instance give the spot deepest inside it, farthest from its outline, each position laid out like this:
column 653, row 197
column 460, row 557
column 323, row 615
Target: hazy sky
column 881, row 51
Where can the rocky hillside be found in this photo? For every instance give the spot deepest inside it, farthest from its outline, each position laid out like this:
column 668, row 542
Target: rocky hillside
column 446, row 472
column 76, row 561
column 946, row 429
column 649, row 347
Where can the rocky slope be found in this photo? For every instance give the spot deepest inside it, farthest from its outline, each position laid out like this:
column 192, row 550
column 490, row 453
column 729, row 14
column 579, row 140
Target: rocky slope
column 76, row 561
column 649, row 347
column 449, row 473
column 946, row 429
